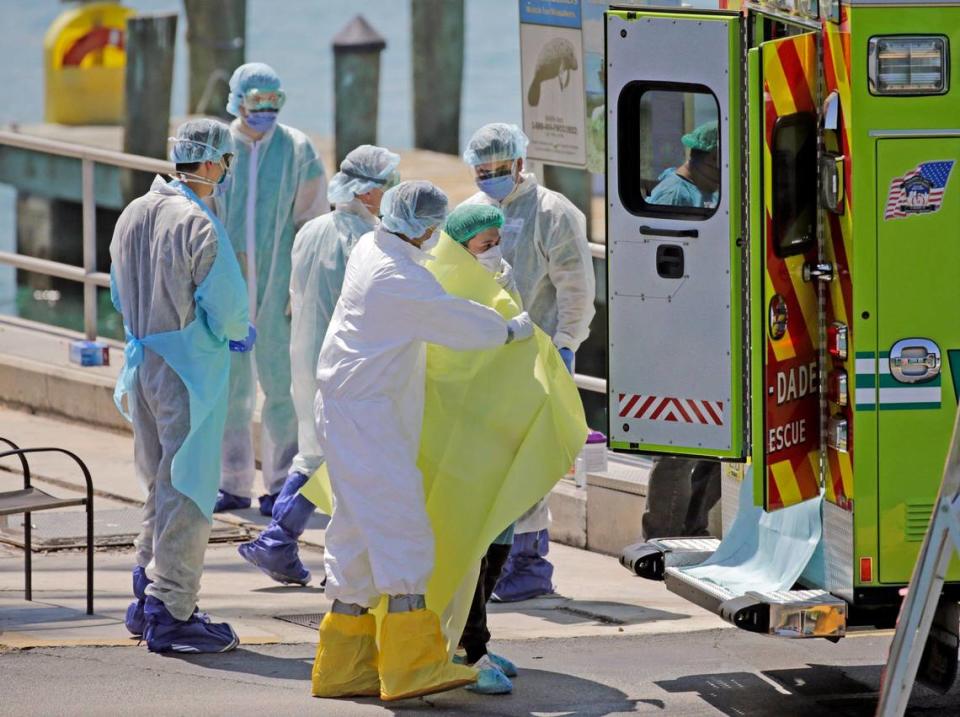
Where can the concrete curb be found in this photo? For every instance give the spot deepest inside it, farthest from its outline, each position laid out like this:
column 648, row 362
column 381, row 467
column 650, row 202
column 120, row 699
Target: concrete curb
column 38, row 387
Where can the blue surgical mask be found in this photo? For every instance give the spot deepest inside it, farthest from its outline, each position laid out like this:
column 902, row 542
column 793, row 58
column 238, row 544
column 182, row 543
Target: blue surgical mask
column 261, row 121
column 223, row 186
column 498, row 188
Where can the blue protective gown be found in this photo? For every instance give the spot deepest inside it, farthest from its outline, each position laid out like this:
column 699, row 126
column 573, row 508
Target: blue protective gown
column 176, row 281
column 675, row 191
column 278, row 183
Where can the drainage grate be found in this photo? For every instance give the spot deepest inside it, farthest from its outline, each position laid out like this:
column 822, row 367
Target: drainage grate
column 55, row 530
column 309, row 620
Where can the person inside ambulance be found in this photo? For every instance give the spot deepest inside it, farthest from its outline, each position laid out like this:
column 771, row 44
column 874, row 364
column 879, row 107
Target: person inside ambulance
column 681, row 492
column 696, row 181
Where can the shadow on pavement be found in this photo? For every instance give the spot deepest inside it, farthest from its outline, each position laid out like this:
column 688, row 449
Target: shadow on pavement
column 565, row 611
column 245, row 661
column 536, row 692
column 273, row 589
column 745, row 694
column 812, row 691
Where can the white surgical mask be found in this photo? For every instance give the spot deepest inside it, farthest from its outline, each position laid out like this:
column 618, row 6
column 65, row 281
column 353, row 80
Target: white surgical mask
column 491, row 259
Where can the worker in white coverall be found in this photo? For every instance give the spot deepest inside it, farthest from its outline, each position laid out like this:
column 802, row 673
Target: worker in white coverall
column 370, row 402
column 176, row 281
column 544, row 239
column 320, row 254
column 278, row 184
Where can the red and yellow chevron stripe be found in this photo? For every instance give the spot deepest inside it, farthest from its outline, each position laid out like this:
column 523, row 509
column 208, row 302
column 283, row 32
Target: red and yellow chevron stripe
column 790, row 86
column 839, row 242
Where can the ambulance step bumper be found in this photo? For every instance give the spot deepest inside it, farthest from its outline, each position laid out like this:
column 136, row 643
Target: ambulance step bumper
column 786, row 613
column 649, row 560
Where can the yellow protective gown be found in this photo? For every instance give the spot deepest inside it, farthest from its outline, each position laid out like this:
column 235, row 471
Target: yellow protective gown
column 499, row 427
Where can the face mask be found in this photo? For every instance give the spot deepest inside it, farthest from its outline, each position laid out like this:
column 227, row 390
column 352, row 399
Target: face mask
column 261, row 121
column 223, row 186
column 498, row 188
column 491, row 259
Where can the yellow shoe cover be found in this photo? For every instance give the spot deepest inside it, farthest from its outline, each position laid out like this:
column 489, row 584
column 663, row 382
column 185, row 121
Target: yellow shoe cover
column 346, row 662
column 413, row 659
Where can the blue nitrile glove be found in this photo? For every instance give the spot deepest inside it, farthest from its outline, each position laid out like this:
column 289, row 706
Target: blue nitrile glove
column 567, row 356
column 247, row 344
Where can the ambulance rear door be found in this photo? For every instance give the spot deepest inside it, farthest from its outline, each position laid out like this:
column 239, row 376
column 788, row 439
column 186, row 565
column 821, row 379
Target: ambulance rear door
column 783, row 90
column 674, row 247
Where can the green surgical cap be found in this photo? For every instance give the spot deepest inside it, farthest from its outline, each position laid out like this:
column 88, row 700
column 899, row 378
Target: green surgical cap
column 703, row 138
column 465, row 222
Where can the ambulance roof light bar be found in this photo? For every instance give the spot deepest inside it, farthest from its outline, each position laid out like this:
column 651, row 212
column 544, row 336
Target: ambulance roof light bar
column 908, row 65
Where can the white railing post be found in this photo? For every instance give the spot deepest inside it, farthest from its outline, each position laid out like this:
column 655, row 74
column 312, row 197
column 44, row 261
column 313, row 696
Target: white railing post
column 89, row 249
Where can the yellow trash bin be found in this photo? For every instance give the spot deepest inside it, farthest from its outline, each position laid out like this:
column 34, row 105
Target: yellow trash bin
column 84, row 60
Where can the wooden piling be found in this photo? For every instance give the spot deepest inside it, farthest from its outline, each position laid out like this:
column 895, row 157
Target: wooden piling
column 356, row 85
column 216, row 41
column 437, row 43
column 574, row 184
column 151, row 40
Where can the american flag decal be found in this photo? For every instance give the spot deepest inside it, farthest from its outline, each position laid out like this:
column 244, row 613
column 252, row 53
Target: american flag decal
column 668, row 408
column 919, row 191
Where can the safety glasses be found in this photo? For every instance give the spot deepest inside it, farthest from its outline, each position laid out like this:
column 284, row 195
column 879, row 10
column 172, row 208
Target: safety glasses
column 501, row 171
column 255, row 100
column 392, row 180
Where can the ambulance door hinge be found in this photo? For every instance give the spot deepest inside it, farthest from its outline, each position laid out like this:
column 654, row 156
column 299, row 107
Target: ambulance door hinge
column 821, row 271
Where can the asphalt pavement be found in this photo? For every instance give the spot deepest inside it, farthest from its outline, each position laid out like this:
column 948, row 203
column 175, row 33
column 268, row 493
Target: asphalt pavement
column 715, row 672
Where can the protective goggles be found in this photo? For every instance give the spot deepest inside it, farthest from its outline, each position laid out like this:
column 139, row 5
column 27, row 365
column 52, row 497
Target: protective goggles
column 391, row 180
column 501, row 171
column 254, row 100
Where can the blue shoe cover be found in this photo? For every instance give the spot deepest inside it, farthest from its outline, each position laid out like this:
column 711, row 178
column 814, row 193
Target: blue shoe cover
column 164, row 633
column 288, row 496
column 490, row 680
column 276, row 553
column 266, row 503
column 229, row 501
column 134, row 620
column 506, row 667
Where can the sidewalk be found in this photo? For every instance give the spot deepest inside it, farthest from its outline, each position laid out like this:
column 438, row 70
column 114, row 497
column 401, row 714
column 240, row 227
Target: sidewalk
column 596, row 596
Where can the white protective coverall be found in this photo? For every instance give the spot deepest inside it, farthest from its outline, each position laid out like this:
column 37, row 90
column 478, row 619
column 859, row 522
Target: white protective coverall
column 277, row 184
column 544, row 239
column 320, row 254
column 163, row 248
column 370, row 412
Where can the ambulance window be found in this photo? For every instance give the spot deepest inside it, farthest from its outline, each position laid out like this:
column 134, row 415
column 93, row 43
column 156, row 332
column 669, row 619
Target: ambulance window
column 794, row 183
column 668, row 137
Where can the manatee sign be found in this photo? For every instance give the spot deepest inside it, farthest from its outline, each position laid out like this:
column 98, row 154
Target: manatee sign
column 551, row 59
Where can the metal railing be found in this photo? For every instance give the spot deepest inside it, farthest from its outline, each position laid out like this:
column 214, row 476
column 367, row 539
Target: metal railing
column 88, row 274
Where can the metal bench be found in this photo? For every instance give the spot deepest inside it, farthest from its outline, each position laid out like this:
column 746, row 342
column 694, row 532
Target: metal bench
column 31, row 499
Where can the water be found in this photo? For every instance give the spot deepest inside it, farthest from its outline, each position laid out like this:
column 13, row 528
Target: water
column 294, row 36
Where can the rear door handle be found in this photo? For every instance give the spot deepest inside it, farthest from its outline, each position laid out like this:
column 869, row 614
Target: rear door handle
column 659, row 232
